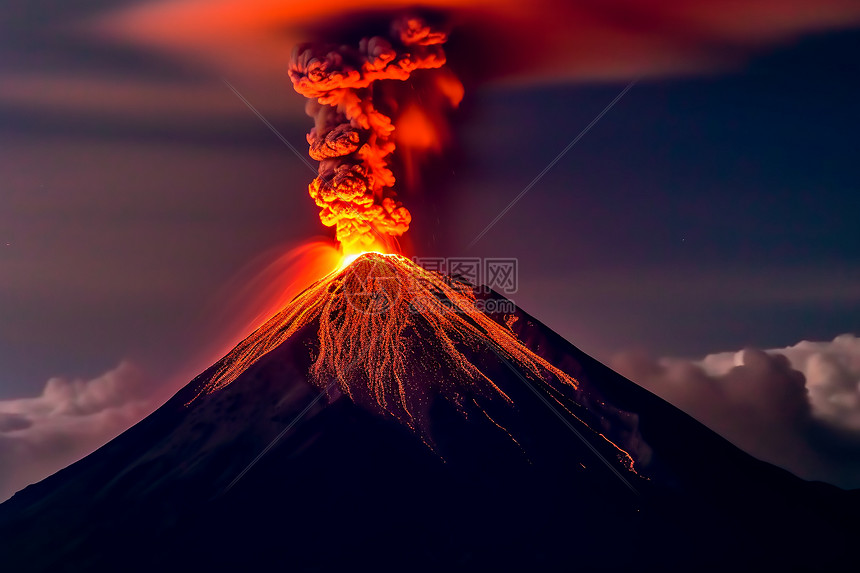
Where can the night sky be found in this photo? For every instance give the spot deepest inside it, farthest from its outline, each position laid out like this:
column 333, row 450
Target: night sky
column 709, row 210
column 700, row 214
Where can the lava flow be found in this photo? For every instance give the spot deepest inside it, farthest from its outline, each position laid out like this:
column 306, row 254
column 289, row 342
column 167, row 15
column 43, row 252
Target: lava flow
column 377, row 319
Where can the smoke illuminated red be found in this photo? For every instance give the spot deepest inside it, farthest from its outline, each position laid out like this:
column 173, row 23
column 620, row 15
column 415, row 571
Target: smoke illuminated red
column 353, row 138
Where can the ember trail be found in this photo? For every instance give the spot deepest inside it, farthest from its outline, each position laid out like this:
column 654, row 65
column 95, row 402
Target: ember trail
column 365, row 311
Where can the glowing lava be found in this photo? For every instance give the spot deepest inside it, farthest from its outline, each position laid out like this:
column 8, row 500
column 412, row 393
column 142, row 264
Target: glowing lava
column 379, row 319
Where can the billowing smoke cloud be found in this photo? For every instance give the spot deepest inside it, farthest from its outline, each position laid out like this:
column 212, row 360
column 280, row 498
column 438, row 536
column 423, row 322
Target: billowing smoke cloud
column 798, row 407
column 70, row 419
column 352, row 138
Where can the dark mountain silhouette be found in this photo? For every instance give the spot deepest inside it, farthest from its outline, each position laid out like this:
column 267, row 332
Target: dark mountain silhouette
column 542, row 482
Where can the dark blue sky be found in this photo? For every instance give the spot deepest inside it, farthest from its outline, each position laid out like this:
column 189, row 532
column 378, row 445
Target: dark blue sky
column 699, row 214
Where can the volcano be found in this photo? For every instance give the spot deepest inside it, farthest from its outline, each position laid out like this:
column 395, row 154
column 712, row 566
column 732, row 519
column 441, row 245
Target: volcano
column 391, row 418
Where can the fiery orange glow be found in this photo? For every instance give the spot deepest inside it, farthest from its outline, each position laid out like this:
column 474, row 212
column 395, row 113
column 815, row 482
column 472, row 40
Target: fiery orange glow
column 416, row 129
column 258, row 291
column 422, row 123
column 347, row 260
column 270, row 283
column 352, row 138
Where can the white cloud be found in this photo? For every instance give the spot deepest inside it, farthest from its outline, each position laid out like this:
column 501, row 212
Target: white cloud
column 798, row 407
column 70, row 419
column 832, row 371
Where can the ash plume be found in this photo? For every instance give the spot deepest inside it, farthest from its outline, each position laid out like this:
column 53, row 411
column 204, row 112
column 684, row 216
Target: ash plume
column 353, row 133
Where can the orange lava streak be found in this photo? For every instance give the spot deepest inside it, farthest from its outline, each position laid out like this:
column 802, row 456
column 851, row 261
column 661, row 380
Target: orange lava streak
column 381, row 318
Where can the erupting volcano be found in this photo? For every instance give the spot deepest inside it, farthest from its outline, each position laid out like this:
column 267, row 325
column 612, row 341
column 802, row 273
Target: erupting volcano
column 390, row 418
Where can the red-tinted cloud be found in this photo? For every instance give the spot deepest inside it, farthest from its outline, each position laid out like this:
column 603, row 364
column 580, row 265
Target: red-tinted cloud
column 542, row 39
column 250, row 42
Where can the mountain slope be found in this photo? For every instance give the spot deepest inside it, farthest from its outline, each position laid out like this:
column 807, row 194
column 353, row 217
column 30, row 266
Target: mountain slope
column 541, row 475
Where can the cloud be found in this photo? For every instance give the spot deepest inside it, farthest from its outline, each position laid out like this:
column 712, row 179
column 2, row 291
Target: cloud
column 797, row 407
column 250, row 42
column 70, row 419
column 543, row 39
column 140, row 100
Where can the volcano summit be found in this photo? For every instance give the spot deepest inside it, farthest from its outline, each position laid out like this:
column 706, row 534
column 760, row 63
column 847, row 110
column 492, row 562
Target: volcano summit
column 383, row 421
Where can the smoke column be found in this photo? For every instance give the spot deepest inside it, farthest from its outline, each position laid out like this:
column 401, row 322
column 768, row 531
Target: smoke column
column 352, row 138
